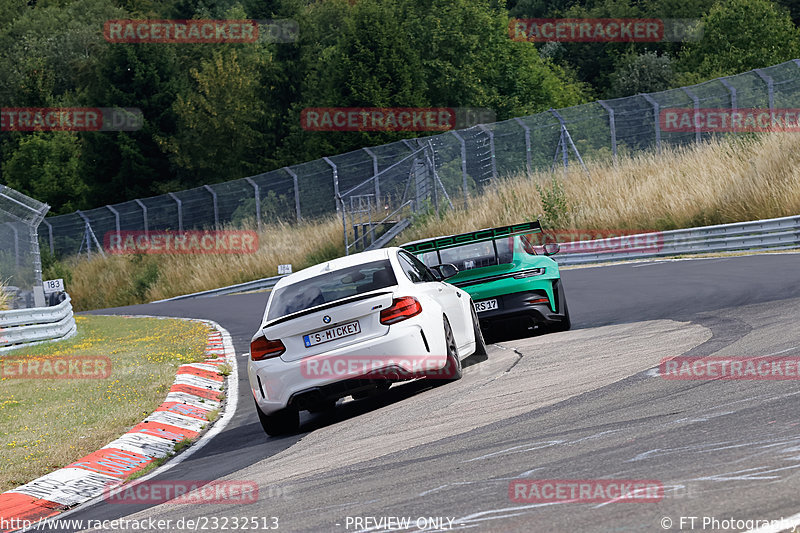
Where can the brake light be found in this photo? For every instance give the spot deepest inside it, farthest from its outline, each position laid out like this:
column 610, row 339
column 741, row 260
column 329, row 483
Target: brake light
column 401, row 309
column 262, row 348
column 538, row 301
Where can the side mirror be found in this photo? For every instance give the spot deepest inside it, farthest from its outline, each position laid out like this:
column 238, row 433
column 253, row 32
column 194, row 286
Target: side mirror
column 442, row 272
column 551, row 248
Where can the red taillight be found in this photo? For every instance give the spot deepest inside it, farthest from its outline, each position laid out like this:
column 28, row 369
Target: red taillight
column 401, row 309
column 538, row 301
column 262, row 348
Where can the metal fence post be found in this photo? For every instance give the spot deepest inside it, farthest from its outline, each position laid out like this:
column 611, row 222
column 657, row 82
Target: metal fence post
column 16, row 243
column 770, row 89
column 180, row 210
column 116, row 219
column 562, row 144
column 90, row 233
column 528, row 165
column 86, row 227
column 613, row 127
column 731, row 91
column 696, row 104
column 436, row 180
column 144, row 215
column 214, row 200
column 490, row 133
column 339, row 203
column 258, row 201
column 463, row 164
column 38, row 291
column 567, row 138
column 50, row 234
column 656, row 119
column 377, row 179
column 296, row 192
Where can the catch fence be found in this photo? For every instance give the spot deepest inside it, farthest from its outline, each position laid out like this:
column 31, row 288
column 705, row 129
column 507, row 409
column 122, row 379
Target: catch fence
column 375, row 189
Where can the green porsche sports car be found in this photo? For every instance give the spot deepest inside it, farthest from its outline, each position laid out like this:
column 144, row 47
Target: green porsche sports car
column 514, row 287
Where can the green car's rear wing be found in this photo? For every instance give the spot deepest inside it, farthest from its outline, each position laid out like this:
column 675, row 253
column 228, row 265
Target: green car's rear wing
column 451, row 241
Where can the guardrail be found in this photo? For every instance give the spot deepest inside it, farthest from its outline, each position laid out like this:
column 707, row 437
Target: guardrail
column 255, row 285
column 31, row 326
column 770, row 234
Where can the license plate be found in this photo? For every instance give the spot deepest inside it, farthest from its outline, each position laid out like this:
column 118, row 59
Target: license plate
column 331, row 334
column 486, row 305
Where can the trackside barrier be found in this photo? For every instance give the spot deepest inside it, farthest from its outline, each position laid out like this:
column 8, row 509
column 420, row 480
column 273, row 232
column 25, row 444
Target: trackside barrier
column 25, row 326
column 770, row 234
column 255, row 285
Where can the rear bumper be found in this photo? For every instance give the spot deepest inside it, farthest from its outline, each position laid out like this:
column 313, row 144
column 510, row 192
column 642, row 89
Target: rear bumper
column 515, row 310
column 407, row 351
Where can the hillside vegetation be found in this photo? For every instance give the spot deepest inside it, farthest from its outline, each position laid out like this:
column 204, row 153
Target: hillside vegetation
column 217, row 112
column 723, row 181
column 728, row 180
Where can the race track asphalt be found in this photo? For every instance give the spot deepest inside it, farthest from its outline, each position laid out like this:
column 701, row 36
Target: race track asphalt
column 583, row 404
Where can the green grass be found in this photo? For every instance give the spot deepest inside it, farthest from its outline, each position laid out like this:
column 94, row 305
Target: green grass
column 46, row 424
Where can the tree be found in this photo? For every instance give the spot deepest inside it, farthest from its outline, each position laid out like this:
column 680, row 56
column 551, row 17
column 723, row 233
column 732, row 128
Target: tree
column 412, row 53
column 471, row 61
column 46, row 166
column 50, row 52
column 128, row 165
column 794, row 9
column 643, row 73
column 740, row 35
column 221, row 119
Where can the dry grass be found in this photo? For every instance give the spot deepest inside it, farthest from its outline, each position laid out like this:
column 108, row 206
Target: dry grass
column 729, row 180
column 5, row 298
column 723, row 181
column 117, row 280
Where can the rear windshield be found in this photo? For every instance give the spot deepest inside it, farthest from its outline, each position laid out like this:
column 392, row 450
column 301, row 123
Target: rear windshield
column 473, row 255
column 330, row 287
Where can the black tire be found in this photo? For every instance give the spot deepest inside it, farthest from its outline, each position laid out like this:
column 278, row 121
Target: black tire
column 281, row 422
column 480, row 342
column 452, row 371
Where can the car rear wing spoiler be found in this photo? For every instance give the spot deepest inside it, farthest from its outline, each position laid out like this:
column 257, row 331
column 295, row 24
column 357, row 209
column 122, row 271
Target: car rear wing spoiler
column 451, row 241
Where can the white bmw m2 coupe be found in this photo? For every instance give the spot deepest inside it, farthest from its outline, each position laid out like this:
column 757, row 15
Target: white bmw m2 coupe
column 352, row 327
